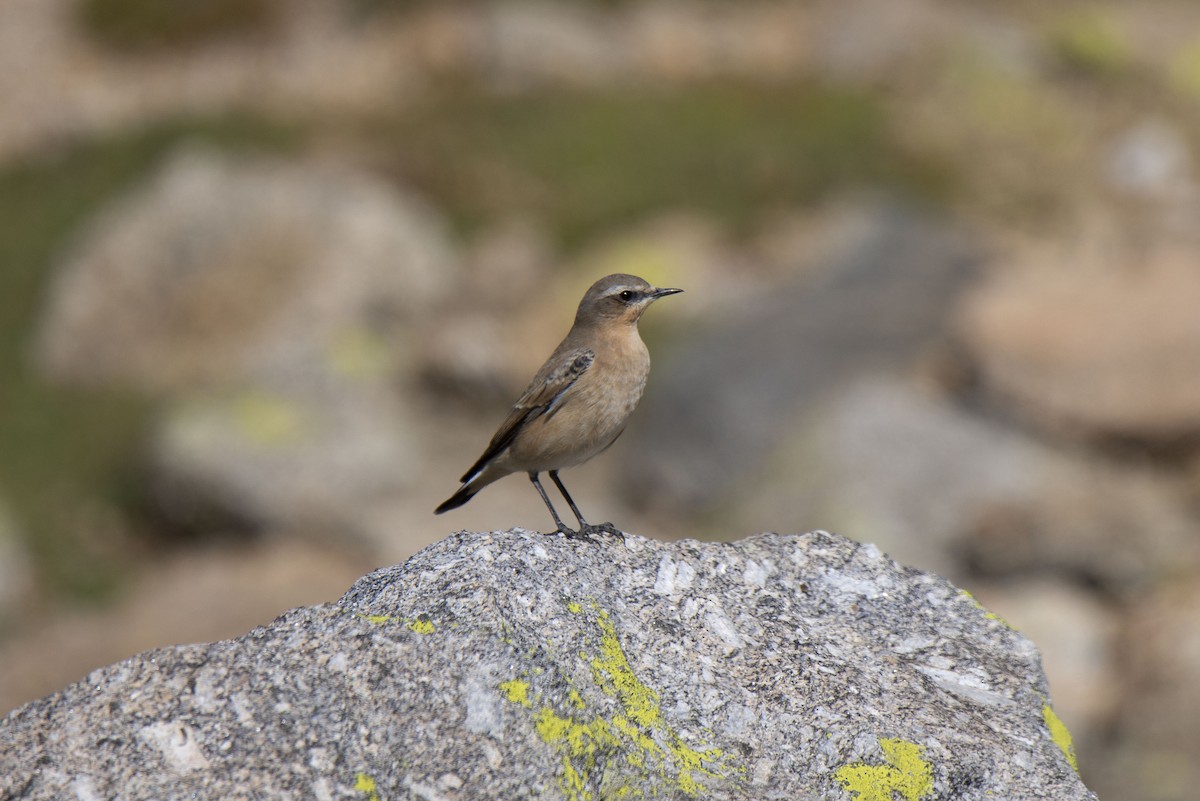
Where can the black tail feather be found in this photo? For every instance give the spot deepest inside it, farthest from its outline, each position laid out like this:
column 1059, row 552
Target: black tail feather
column 464, row 494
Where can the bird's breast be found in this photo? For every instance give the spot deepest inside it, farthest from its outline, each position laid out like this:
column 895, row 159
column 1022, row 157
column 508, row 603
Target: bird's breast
column 593, row 413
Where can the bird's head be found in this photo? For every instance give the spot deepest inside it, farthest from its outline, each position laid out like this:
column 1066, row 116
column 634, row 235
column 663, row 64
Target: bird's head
column 618, row 298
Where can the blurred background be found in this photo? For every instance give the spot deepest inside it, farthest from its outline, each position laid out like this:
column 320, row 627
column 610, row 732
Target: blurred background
column 271, row 272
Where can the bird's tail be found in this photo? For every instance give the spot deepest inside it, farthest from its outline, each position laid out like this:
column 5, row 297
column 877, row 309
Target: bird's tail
column 465, row 493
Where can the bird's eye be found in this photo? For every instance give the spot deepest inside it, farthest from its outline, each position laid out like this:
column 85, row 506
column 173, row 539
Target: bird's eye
column 627, row 295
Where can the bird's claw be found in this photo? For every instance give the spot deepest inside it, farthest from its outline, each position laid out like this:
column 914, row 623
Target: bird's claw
column 572, row 534
column 586, row 530
column 605, row 528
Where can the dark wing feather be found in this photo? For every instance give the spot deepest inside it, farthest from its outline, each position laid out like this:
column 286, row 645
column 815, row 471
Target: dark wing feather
column 543, row 396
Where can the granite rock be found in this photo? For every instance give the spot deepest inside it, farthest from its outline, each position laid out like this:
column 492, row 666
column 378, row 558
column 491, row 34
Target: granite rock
column 513, row 665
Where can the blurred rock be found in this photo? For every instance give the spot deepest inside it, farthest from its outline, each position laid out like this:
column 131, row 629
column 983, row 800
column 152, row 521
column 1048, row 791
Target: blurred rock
column 716, row 408
column 16, row 569
column 870, row 39
column 871, row 459
column 467, row 358
column 1106, row 348
column 1076, row 633
column 469, row 350
column 221, row 267
column 277, row 302
column 557, row 43
column 1156, row 757
column 545, row 43
column 1150, row 167
column 1077, row 522
column 1151, row 160
column 675, row 249
column 61, row 86
column 677, row 40
column 508, row 262
column 791, row 242
column 290, row 457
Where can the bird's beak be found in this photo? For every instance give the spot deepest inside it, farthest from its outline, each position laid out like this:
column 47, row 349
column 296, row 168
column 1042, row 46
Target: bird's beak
column 662, row 293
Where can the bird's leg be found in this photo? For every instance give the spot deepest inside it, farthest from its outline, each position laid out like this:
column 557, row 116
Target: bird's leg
column 558, row 483
column 584, row 526
column 546, row 499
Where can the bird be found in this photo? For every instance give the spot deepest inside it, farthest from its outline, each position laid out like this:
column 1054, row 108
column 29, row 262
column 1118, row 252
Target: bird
column 578, row 402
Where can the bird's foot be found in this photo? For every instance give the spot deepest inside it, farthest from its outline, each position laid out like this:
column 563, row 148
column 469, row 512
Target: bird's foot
column 604, row 528
column 572, row 534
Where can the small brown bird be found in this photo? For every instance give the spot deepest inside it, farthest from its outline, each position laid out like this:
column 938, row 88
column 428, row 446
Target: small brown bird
column 578, row 403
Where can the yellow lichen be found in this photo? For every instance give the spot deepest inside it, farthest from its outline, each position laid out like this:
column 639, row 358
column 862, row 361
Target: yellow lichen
column 365, row 784
column 690, row 764
column 644, row 742
column 421, row 625
column 1060, row 735
column 614, row 675
column 577, row 744
column 652, row 750
column 990, row 615
column 642, row 709
column 906, row 772
column 516, row 691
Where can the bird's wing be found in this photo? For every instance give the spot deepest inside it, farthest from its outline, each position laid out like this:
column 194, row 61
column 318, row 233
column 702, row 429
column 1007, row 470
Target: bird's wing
column 549, row 388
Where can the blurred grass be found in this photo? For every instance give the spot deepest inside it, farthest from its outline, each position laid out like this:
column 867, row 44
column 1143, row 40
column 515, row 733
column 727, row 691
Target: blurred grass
column 67, row 455
column 365, row 9
column 148, row 25
column 1091, row 42
column 588, row 161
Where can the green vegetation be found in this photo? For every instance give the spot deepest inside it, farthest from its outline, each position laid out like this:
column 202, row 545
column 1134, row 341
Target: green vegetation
column 587, row 161
column 367, row 8
column 1091, row 43
column 66, row 455
column 145, row 25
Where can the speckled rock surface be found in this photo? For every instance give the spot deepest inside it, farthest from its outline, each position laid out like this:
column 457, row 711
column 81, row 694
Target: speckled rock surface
column 514, row 665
